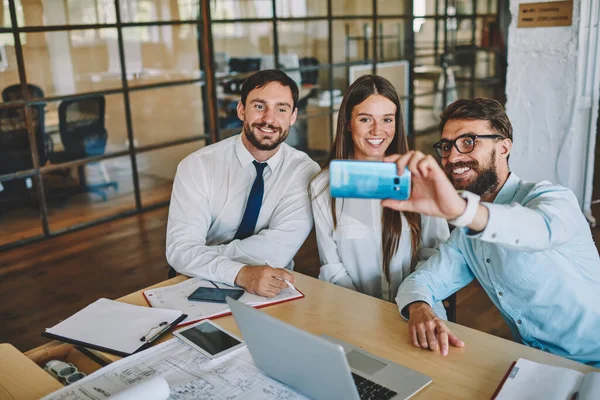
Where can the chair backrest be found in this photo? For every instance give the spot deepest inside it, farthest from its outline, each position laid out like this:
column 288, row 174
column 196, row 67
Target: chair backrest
column 15, row 153
column 309, row 77
column 81, row 125
column 14, row 93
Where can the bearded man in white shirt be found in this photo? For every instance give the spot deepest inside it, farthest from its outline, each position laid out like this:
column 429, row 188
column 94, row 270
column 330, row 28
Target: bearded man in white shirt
column 242, row 203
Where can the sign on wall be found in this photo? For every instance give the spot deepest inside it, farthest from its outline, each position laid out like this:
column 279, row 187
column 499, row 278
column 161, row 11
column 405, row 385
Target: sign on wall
column 555, row 13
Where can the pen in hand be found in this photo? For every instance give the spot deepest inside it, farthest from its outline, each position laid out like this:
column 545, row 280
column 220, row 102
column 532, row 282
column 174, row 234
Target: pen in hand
column 286, row 281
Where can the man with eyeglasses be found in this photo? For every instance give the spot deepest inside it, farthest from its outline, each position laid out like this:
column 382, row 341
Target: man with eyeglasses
column 528, row 244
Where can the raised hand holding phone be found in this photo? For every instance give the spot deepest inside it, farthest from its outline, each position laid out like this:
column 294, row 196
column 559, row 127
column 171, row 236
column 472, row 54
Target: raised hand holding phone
column 432, row 192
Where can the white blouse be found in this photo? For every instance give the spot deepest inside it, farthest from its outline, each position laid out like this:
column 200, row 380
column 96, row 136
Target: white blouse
column 351, row 255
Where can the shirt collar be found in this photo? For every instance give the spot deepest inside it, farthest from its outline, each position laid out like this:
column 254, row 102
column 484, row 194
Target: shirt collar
column 508, row 191
column 246, row 158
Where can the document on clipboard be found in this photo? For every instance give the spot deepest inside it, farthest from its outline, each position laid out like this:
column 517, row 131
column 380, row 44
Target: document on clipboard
column 175, row 297
column 115, row 327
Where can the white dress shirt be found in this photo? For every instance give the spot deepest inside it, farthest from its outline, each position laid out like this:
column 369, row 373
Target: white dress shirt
column 208, row 201
column 351, row 254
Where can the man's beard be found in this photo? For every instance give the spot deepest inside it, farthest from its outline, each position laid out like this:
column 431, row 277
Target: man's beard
column 265, row 146
column 486, row 180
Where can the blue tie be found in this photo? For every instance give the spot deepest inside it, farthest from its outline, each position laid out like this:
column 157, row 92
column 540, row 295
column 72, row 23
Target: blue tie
column 250, row 217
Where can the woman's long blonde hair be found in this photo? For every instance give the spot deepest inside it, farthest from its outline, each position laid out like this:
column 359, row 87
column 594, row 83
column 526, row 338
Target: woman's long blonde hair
column 343, row 149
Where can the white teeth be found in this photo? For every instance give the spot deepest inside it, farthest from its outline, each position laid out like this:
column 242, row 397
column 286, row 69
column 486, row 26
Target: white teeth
column 460, row 171
column 267, row 130
column 375, row 141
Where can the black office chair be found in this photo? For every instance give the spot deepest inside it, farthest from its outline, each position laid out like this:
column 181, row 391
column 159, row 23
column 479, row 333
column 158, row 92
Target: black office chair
column 312, row 76
column 15, row 152
column 14, row 93
column 82, row 133
column 240, row 65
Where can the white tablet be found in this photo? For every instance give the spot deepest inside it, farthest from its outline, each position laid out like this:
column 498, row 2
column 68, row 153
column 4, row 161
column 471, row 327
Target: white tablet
column 210, row 339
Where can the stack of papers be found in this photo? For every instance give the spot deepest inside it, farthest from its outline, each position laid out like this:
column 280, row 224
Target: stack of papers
column 189, row 375
column 175, row 297
column 115, row 327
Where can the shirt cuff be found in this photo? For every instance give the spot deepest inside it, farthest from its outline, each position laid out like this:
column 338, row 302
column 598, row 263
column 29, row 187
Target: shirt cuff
column 404, row 300
column 332, row 272
column 228, row 273
column 491, row 233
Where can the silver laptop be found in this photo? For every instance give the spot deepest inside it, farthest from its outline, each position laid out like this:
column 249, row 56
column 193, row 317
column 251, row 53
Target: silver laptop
column 321, row 367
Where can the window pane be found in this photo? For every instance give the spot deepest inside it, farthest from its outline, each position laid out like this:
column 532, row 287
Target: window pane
column 9, row 73
column 166, row 114
column 86, row 61
column 351, row 7
column 66, row 12
column 394, row 7
column 320, row 131
column 88, row 193
column 303, row 44
column 487, row 6
column 425, row 43
column 19, row 210
column 352, row 40
column 160, row 54
column 151, row 10
column 157, row 170
column 241, row 9
column 391, row 43
column 5, row 13
column 301, row 8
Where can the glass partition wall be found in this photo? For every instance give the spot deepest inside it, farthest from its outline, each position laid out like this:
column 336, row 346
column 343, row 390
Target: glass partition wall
column 102, row 98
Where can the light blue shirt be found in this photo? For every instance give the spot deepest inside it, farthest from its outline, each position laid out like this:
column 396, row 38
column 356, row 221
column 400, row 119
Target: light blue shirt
column 537, row 262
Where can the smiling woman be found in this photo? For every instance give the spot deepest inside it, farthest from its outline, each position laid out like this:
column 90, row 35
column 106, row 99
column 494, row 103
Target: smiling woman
column 370, row 126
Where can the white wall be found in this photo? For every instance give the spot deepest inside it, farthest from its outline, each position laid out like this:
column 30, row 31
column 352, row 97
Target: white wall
column 549, row 99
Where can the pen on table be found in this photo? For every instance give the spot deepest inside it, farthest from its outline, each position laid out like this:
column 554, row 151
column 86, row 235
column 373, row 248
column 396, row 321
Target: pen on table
column 286, row 281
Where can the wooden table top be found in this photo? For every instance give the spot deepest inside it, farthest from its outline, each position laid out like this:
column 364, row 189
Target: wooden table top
column 472, row 372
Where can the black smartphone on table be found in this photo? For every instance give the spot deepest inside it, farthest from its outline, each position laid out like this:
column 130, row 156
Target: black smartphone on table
column 215, row 295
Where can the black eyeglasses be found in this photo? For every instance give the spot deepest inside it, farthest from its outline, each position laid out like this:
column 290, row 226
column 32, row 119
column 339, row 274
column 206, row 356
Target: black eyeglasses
column 464, row 144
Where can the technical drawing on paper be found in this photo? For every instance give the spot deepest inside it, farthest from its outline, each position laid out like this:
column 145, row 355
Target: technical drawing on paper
column 190, row 375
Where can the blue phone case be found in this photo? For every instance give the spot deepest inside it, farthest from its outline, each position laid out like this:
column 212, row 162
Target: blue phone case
column 368, row 180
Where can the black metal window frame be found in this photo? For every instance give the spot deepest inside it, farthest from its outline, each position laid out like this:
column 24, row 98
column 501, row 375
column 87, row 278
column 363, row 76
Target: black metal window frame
column 208, row 82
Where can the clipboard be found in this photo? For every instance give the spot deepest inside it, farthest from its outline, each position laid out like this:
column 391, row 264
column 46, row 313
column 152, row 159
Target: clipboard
column 114, row 327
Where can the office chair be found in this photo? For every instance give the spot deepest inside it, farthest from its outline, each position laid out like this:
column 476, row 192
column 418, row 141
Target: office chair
column 312, row 76
column 14, row 93
column 82, row 132
column 240, row 65
column 15, row 153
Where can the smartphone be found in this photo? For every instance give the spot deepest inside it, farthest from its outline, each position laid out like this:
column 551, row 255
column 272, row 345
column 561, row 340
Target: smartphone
column 210, row 339
column 368, row 180
column 215, row 295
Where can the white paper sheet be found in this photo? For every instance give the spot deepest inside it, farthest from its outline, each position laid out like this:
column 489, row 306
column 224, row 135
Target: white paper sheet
column 189, row 374
column 175, row 298
column 114, row 325
column 155, row 388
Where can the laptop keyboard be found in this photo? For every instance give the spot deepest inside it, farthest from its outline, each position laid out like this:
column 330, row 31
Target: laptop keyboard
column 370, row 390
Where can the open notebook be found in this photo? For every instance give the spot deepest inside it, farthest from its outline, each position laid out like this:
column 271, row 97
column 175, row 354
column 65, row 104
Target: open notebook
column 530, row 380
column 175, row 298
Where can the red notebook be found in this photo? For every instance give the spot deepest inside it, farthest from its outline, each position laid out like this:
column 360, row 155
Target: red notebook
column 175, row 298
